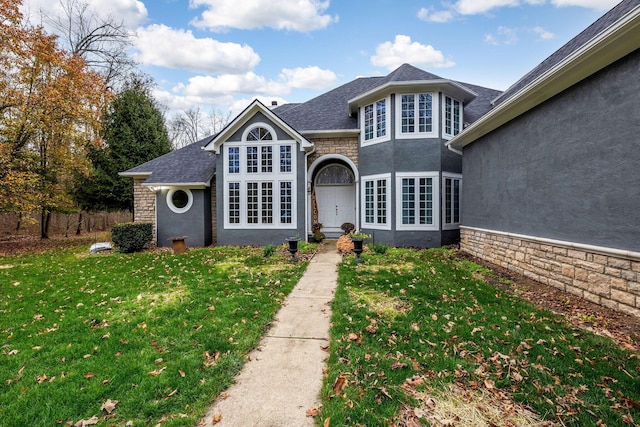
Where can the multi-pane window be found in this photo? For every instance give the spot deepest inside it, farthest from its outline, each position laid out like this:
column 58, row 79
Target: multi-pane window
column 451, row 199
column 259, row 179
column 416, row 113
column 375, row 120
column 452, row 116
column 285, row 158
column 376, row 200
column 286, row 202
column 417, row 200
column 234, row 203
column 266, row 159
column 252, row 159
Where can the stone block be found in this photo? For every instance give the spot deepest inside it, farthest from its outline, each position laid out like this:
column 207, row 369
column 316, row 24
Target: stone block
column 623, row 297
column 633, row 311
column 622, row 264
column 617, row 283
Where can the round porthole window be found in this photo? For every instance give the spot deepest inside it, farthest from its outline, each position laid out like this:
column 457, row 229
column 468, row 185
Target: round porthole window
column 179, row 200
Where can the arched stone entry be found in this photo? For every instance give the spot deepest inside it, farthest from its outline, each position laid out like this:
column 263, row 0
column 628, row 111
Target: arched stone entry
column 334, row 192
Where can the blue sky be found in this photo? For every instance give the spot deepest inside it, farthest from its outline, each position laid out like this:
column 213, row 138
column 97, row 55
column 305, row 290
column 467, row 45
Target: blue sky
column 221, row 54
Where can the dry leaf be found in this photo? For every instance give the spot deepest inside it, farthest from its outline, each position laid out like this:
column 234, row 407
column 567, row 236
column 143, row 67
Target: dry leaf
column 339, row 385
column 90, row 422
column 353, row 337
column 216, row 419
column 89, row 375
column 109, row 406
column 313, row 412
column 172, row 393
column 182, row 374
column 327, row 422
column 157, row 372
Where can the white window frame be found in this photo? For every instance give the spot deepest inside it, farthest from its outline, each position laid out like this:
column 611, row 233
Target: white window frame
column 275, row 177
column 173, row 207
column 435, row 117
column 435, row 225
column 457, row 177
column 376, row 139
column 445, row 134
column 386, row 177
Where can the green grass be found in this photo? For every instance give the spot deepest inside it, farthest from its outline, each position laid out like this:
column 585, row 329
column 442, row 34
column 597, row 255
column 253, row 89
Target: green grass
column 161, row 334
column 414, row 324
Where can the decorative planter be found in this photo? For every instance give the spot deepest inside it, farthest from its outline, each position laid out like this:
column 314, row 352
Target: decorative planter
column 357, row 248
column 179, row 246
column 293, row 247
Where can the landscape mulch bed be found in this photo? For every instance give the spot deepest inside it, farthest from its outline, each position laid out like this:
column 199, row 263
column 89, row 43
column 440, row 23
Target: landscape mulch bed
column 621, row 327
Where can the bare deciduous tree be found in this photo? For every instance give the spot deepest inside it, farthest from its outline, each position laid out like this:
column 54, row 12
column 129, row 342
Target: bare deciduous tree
column 193, row 124
column 101, row 41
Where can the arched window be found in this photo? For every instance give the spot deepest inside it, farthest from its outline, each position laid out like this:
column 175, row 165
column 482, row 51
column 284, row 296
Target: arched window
column 335, row 175
column 259, row 134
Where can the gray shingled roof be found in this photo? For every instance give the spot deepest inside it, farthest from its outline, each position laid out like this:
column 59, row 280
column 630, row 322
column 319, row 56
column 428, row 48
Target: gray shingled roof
column 326, row 112
column 190, row 164
column 330, row 111
column 573, row 45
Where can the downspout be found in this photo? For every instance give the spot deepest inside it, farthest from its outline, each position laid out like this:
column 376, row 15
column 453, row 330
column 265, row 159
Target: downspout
column 306, row 196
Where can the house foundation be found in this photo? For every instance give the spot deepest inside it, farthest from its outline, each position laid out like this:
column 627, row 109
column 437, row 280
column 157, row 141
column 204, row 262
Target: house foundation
column 604, row 276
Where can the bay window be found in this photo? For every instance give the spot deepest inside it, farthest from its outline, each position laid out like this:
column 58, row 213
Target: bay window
column 417, row 201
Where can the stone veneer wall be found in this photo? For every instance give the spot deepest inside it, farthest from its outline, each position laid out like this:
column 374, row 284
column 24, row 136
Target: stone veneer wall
column 347, row 146
column 144, row 204
column 605, row 277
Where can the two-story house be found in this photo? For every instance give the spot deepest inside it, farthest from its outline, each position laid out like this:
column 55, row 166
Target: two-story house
column 371, row 152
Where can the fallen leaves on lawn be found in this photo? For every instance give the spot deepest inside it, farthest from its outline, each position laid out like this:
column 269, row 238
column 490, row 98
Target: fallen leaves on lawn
column 157, row 372
column 211, row 360
column 90, row 422
column 109, row 406
column 339, row 384
column 313, row 412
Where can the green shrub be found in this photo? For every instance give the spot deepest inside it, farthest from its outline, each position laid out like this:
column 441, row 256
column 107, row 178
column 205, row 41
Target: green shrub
column 269, row 250
column 379, row 248
column 131, row 237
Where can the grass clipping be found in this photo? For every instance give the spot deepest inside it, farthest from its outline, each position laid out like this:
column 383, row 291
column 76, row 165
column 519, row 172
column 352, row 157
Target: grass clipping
column 456, row 406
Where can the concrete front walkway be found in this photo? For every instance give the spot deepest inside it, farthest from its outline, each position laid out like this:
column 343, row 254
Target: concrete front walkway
column 283, row 376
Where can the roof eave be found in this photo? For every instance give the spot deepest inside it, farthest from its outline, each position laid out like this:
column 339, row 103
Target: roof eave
column 331, row 133
column 135, row 174
column 456, row 89
column 612, row 44
column 191, row 185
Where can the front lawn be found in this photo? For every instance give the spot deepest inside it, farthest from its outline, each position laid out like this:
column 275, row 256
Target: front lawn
column 136, row 339
column 420, row 338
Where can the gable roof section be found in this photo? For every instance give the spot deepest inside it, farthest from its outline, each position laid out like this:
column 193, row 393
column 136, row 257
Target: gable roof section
column 607, row 40
column 253, row 108
column 188, row 166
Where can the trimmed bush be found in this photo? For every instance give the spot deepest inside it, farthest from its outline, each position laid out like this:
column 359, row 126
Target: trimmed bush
column 132, row 237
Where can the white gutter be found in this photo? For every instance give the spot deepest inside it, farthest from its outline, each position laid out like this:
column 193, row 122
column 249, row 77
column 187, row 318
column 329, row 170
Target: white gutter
column 615, row 42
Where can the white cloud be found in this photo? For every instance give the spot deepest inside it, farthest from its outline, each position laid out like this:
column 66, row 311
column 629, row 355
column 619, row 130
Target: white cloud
column 251, row 83
column 402, row 50
column 592, row 4
column 477, row 7
column 543, row 34
column 179, row 49
column 474, row 7
column 308, row 78
column 130, row 12
column 429, row 15
column 504, row 36
column 300, row 15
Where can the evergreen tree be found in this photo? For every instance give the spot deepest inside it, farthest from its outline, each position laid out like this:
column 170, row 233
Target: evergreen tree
column 134, row 133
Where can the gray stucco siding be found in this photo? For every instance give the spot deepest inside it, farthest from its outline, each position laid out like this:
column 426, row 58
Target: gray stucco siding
column 567, row 170
column 195, row 224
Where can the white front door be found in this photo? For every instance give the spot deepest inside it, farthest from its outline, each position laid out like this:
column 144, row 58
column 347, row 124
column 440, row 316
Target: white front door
column 336, row 205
